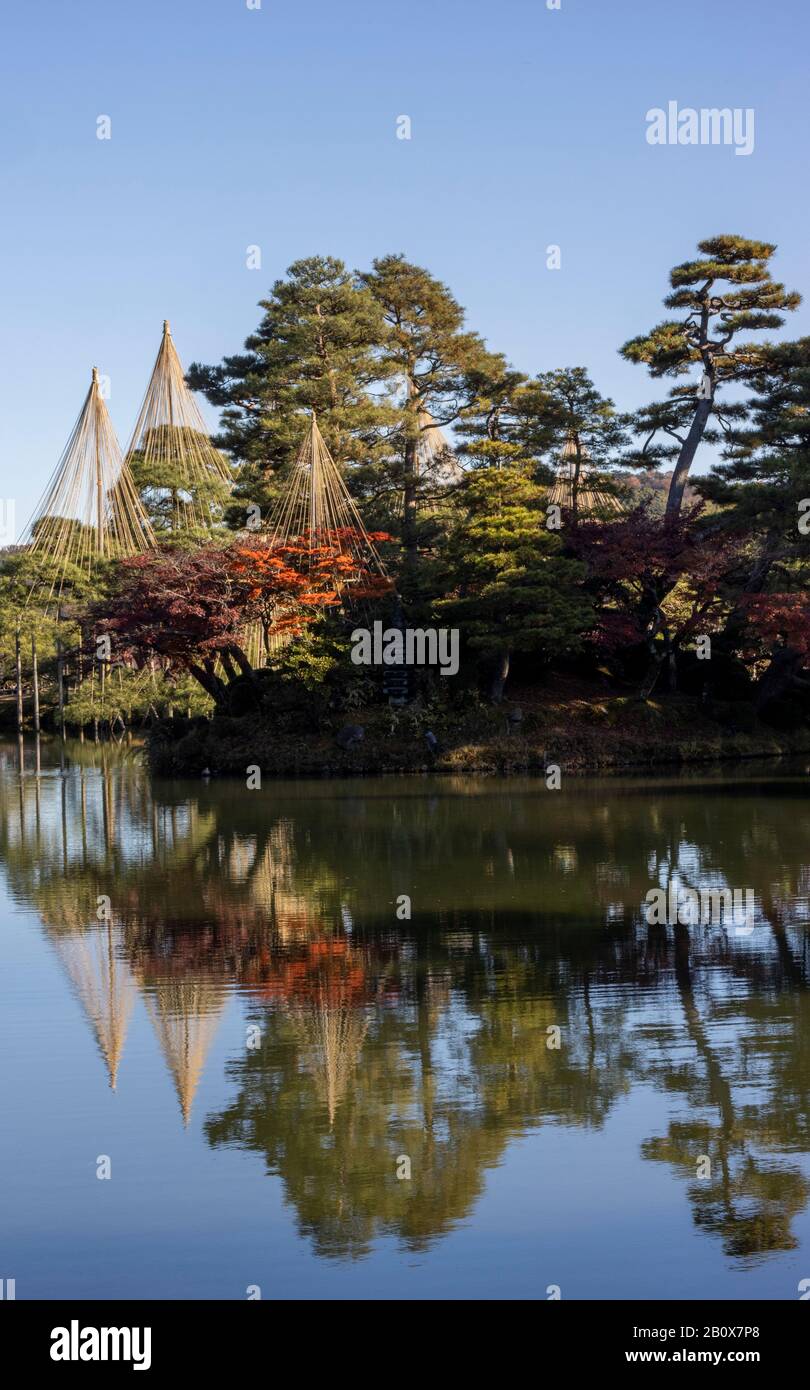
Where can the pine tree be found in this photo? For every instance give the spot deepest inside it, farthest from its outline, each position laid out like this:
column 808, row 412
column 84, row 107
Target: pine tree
column 563, row 409
column 316, row 348
column 491, row 430
column 727, row 290
column 511, row 588
column 765, row 475
column 763, row 492
column 432, row 357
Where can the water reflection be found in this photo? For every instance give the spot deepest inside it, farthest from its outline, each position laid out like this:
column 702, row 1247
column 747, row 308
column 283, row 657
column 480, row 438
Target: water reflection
column 372, row 1038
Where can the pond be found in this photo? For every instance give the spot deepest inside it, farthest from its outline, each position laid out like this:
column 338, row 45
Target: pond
column 400, row 1038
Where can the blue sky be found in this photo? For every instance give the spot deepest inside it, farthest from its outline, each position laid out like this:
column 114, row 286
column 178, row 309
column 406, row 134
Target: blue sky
column 277, row 127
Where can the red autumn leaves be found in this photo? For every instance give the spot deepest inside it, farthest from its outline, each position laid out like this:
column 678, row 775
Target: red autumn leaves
column 187, row 606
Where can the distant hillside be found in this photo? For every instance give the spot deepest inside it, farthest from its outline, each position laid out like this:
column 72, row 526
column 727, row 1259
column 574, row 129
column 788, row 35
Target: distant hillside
column 654, row 486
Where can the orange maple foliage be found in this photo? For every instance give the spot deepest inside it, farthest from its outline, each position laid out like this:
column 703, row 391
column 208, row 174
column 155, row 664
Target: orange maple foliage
column 306, row 572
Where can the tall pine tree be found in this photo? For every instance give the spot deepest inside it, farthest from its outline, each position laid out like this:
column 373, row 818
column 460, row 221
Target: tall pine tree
column 431, row 357
column 318, row 347
column 563, row 408
column 726, row 291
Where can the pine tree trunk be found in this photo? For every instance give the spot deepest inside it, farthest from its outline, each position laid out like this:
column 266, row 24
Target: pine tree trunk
column 410, row 483
column 501, row 676
column 686, row 456
column 409, row 509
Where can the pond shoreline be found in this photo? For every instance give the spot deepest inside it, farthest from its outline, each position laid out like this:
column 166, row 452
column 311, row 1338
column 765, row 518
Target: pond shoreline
column 610, row 737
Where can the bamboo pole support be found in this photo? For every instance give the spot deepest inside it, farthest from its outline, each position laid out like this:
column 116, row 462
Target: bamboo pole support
column 60, row 685
column 35, row 681
column 93, row 703
column 18, row 661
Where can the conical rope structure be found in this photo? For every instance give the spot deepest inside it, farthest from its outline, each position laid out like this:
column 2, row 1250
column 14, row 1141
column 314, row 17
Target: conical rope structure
column 318, row 511
column 437, row 468
column 90, row 510
column 170, row 452
column 436, row 463
column 585, row 494
column 318, row 507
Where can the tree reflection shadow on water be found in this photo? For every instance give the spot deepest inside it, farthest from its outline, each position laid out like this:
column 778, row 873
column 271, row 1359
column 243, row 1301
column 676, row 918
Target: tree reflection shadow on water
column 432, row 1038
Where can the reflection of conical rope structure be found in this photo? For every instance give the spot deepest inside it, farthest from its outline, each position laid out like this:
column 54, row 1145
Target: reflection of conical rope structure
column 324, row 990
column 585, row 494
column 186, row 1015
column 336, row 1030
column 104, row 985
column 90, row 510
column 170, row 450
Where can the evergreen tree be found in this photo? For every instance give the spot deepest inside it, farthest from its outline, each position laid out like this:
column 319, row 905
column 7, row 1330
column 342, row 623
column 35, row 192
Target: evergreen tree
column 182, row 507
column 763, row 491
column 431, row 357
column 318, row 347
column 491, row 430
column 765, row 475
column 563, row 408
column 727, row 290
column 510, row 586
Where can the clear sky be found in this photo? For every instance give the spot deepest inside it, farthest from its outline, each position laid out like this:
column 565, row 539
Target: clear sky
column 276, row 127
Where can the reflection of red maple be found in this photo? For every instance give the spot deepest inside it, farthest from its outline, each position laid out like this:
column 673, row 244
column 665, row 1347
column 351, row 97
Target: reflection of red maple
column 329, row 971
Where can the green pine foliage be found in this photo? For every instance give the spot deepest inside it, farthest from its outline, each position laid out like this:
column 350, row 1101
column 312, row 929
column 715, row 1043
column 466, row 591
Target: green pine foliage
column 316, row 348
column 727, row 290
column 510, row 586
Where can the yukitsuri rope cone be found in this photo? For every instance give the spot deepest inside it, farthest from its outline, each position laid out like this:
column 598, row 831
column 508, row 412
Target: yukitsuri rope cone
column 90, row 510
column 436, row 462
column 170, row 453
column 318, row 507
column 185, row 1014
column 437, row 467
column 585, row 495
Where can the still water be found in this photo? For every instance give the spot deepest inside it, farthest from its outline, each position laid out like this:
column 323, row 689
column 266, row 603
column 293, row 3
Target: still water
column 215, row 995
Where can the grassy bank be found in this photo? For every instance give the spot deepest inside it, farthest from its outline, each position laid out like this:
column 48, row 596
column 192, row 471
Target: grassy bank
column 577, row 728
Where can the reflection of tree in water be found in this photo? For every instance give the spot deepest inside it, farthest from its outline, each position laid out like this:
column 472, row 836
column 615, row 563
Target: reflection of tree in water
column 454, row 1064
column 744, row 1077
column 429, row 1038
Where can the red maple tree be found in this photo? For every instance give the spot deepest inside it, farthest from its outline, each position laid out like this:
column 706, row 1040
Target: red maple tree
column 192, row 608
